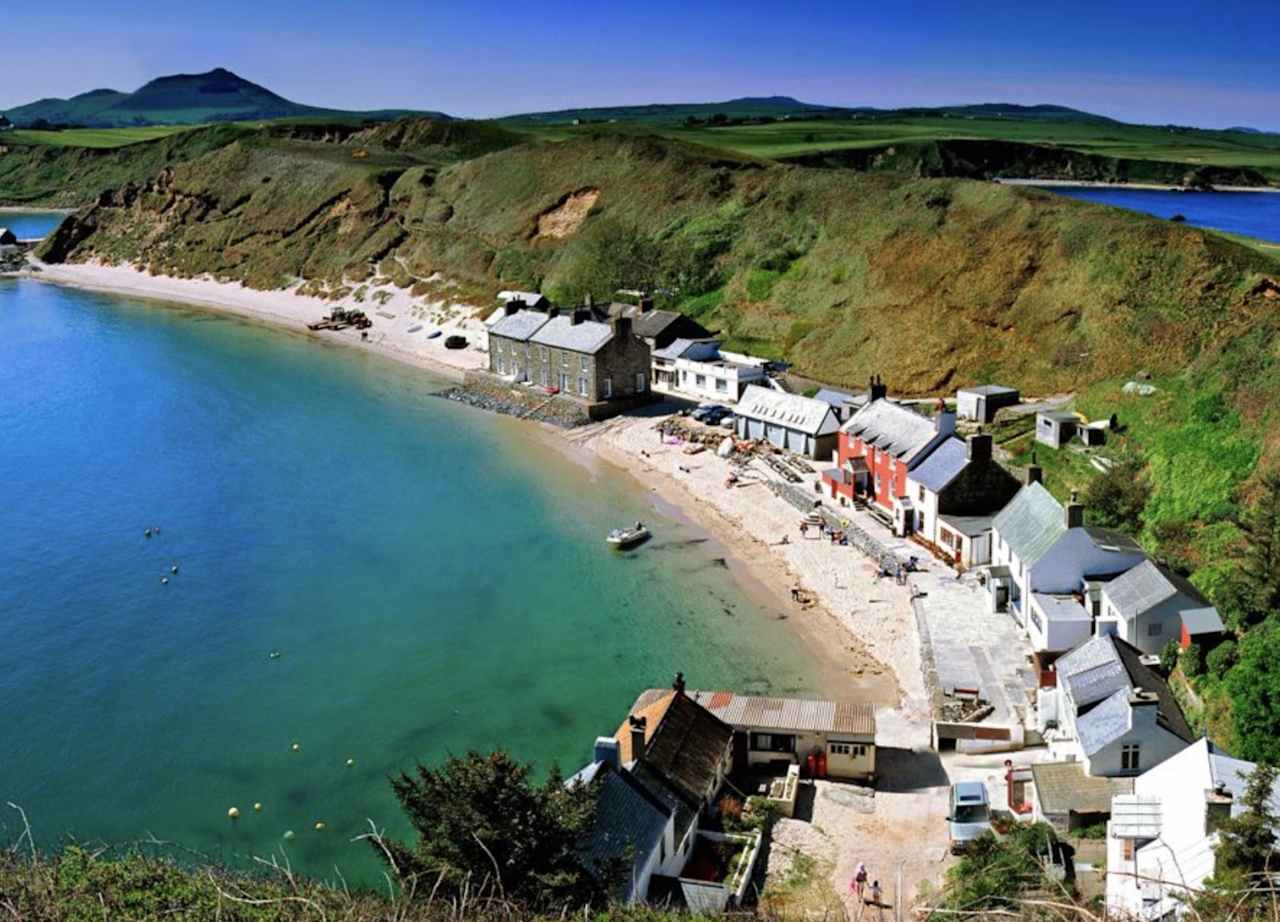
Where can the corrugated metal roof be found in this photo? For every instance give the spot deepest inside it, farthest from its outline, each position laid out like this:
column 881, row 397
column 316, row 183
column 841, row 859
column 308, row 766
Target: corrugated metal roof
column 1031, row 524
column 587, row 336
column 943, row 465
column 520, row 325
column 803, row 414
column 1135, row 817
column 891, row 427
column 1147, row 585
column 798, row 714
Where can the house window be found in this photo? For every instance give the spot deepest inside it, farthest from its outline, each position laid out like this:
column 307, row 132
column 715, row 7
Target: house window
column 684, row 377
column 584, row 363
column 700, row 380
column 722, row 384
column 582, row 387
column 502, row 365
column 542, row 350
column 1128, row 851
column 545, row 376
column 1130, row 757
column 608, row 388
column 920, row 493
column 642, row 382
column 662, row 849
column 773, row 742
column 564, row 358
column 1155, row 629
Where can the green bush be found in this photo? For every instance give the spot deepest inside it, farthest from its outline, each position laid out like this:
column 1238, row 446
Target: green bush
column 1169, row 656
column 1221, row 658
column 1192, row 661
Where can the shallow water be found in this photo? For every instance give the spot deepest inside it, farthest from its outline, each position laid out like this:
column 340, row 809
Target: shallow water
column 28, row 225
column 434, row 579
column 1254, row 214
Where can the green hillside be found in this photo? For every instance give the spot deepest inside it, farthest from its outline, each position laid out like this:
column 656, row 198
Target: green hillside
column 181, row 99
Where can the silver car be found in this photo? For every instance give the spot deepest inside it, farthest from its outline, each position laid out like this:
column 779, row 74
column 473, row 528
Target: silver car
column 969, row 813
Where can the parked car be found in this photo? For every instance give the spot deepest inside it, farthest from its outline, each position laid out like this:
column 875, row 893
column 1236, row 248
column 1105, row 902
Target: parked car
column 968, row 814
column 711, row 413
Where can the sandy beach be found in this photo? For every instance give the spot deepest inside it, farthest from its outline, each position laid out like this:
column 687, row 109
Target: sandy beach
column 860, row 628
column 395, row 313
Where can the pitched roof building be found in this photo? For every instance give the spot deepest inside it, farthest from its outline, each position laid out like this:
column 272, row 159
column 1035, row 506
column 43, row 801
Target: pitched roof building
column 800, row 424
column 1150, row 605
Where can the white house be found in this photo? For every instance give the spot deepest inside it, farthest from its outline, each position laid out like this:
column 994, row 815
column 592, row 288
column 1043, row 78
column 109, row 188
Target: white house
column 800, row 424
column 981, row 403
column 1111, row 712
column 696, row 369
column 1150, row 605
column 1045, row 565
column 956, row 491
column 1161, row 838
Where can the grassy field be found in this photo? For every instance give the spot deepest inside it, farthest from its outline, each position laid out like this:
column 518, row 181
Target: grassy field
column 781, row 140
column 91, row 137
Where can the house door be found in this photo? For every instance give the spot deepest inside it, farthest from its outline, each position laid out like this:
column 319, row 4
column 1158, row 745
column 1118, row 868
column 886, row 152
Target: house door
column 564, row 382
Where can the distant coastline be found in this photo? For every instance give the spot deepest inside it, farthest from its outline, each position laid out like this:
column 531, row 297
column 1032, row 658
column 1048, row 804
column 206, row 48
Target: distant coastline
column 1151, row 187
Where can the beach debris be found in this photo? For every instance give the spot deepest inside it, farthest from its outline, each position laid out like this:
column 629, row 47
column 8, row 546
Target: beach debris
column 257, row 808
column 296, row 747
column 320, row 826
column 288, row 835
column 234, row 813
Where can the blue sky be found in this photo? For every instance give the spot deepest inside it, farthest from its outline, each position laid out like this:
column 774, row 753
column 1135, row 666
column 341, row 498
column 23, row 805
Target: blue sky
column 1210, row 64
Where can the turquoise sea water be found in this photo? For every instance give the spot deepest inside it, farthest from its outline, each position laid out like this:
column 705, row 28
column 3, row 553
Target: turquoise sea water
column 1254, row 214
column 433, row 577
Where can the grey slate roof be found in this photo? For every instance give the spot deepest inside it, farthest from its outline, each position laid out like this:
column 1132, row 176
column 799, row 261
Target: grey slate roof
column 891, row 427
column 1108, row 539
column 1104, row 723
column 1032, row 523
column 968, row 525
column 988, row 390
column 1202, row 621
column 839, row 398
column 628, row 818
column 1106, row 666
column 519, row 326
column 1061, row 608
column 1147, row 585
column 560, row 332
column 1063, row 787
column 793, row 411
column 943, row 465
column 699, row 349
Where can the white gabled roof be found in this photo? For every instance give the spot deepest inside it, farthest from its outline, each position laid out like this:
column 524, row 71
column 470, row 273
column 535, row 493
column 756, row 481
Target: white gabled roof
column 804, row 414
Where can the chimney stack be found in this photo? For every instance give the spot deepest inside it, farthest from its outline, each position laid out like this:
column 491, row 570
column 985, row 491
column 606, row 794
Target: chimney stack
column 621, row 326
column 1075, row 511
column 678, row 684
column 608, row 751
column 579, row 314
column 979, row 447
column 1034, row 472
column 638, row 725
column 646, row 305
column 512, row 306
column 878, row 391
column 945, row 420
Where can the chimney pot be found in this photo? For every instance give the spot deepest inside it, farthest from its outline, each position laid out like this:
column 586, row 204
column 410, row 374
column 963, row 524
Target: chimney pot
column 979, row 447
column 1075, row 512
column 646, row 305
column 678, row 684
column 878, row 390
column 608, row 751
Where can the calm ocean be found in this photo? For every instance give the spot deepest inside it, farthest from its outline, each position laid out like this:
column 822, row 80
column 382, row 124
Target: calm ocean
column 433, row 578
column 1254, row 214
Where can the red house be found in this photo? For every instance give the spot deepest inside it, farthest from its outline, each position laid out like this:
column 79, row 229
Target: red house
column 879, row 445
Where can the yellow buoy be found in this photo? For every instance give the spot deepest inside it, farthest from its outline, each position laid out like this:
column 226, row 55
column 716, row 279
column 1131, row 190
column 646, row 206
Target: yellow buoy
column 234, row 813
column 257, row 808
column 319, row 825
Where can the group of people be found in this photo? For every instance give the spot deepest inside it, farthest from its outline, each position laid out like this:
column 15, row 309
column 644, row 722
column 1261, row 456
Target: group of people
column 836, row 535
column 869, row 895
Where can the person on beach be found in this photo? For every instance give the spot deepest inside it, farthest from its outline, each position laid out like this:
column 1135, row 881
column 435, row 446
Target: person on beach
column 804, row 530
column 858, row 883
column 875, row 899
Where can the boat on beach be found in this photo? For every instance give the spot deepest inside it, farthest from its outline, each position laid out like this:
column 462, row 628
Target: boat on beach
column 623, row 538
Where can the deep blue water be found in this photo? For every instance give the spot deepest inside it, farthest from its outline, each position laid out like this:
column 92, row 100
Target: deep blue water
column 433, row 577
column 28, row 225
column 1254, row 214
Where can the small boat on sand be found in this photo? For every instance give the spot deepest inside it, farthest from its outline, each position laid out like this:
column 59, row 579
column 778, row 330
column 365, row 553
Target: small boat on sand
column 628, row 537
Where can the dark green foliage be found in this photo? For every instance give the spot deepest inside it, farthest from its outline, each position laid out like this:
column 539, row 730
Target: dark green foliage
column 1254, row 686
column 605, row 258
column 1261, row 569
column 994, row 872
column 1221, row 658
column 479, row 817
column 1117, row 497
column 1245, row 856
column 1192, row 661
column 1169, row 656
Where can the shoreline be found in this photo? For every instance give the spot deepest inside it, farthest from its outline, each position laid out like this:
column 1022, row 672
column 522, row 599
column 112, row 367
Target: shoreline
column 1142, row 186
column 35, row 209
column 286, row 310
column 841, row 642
